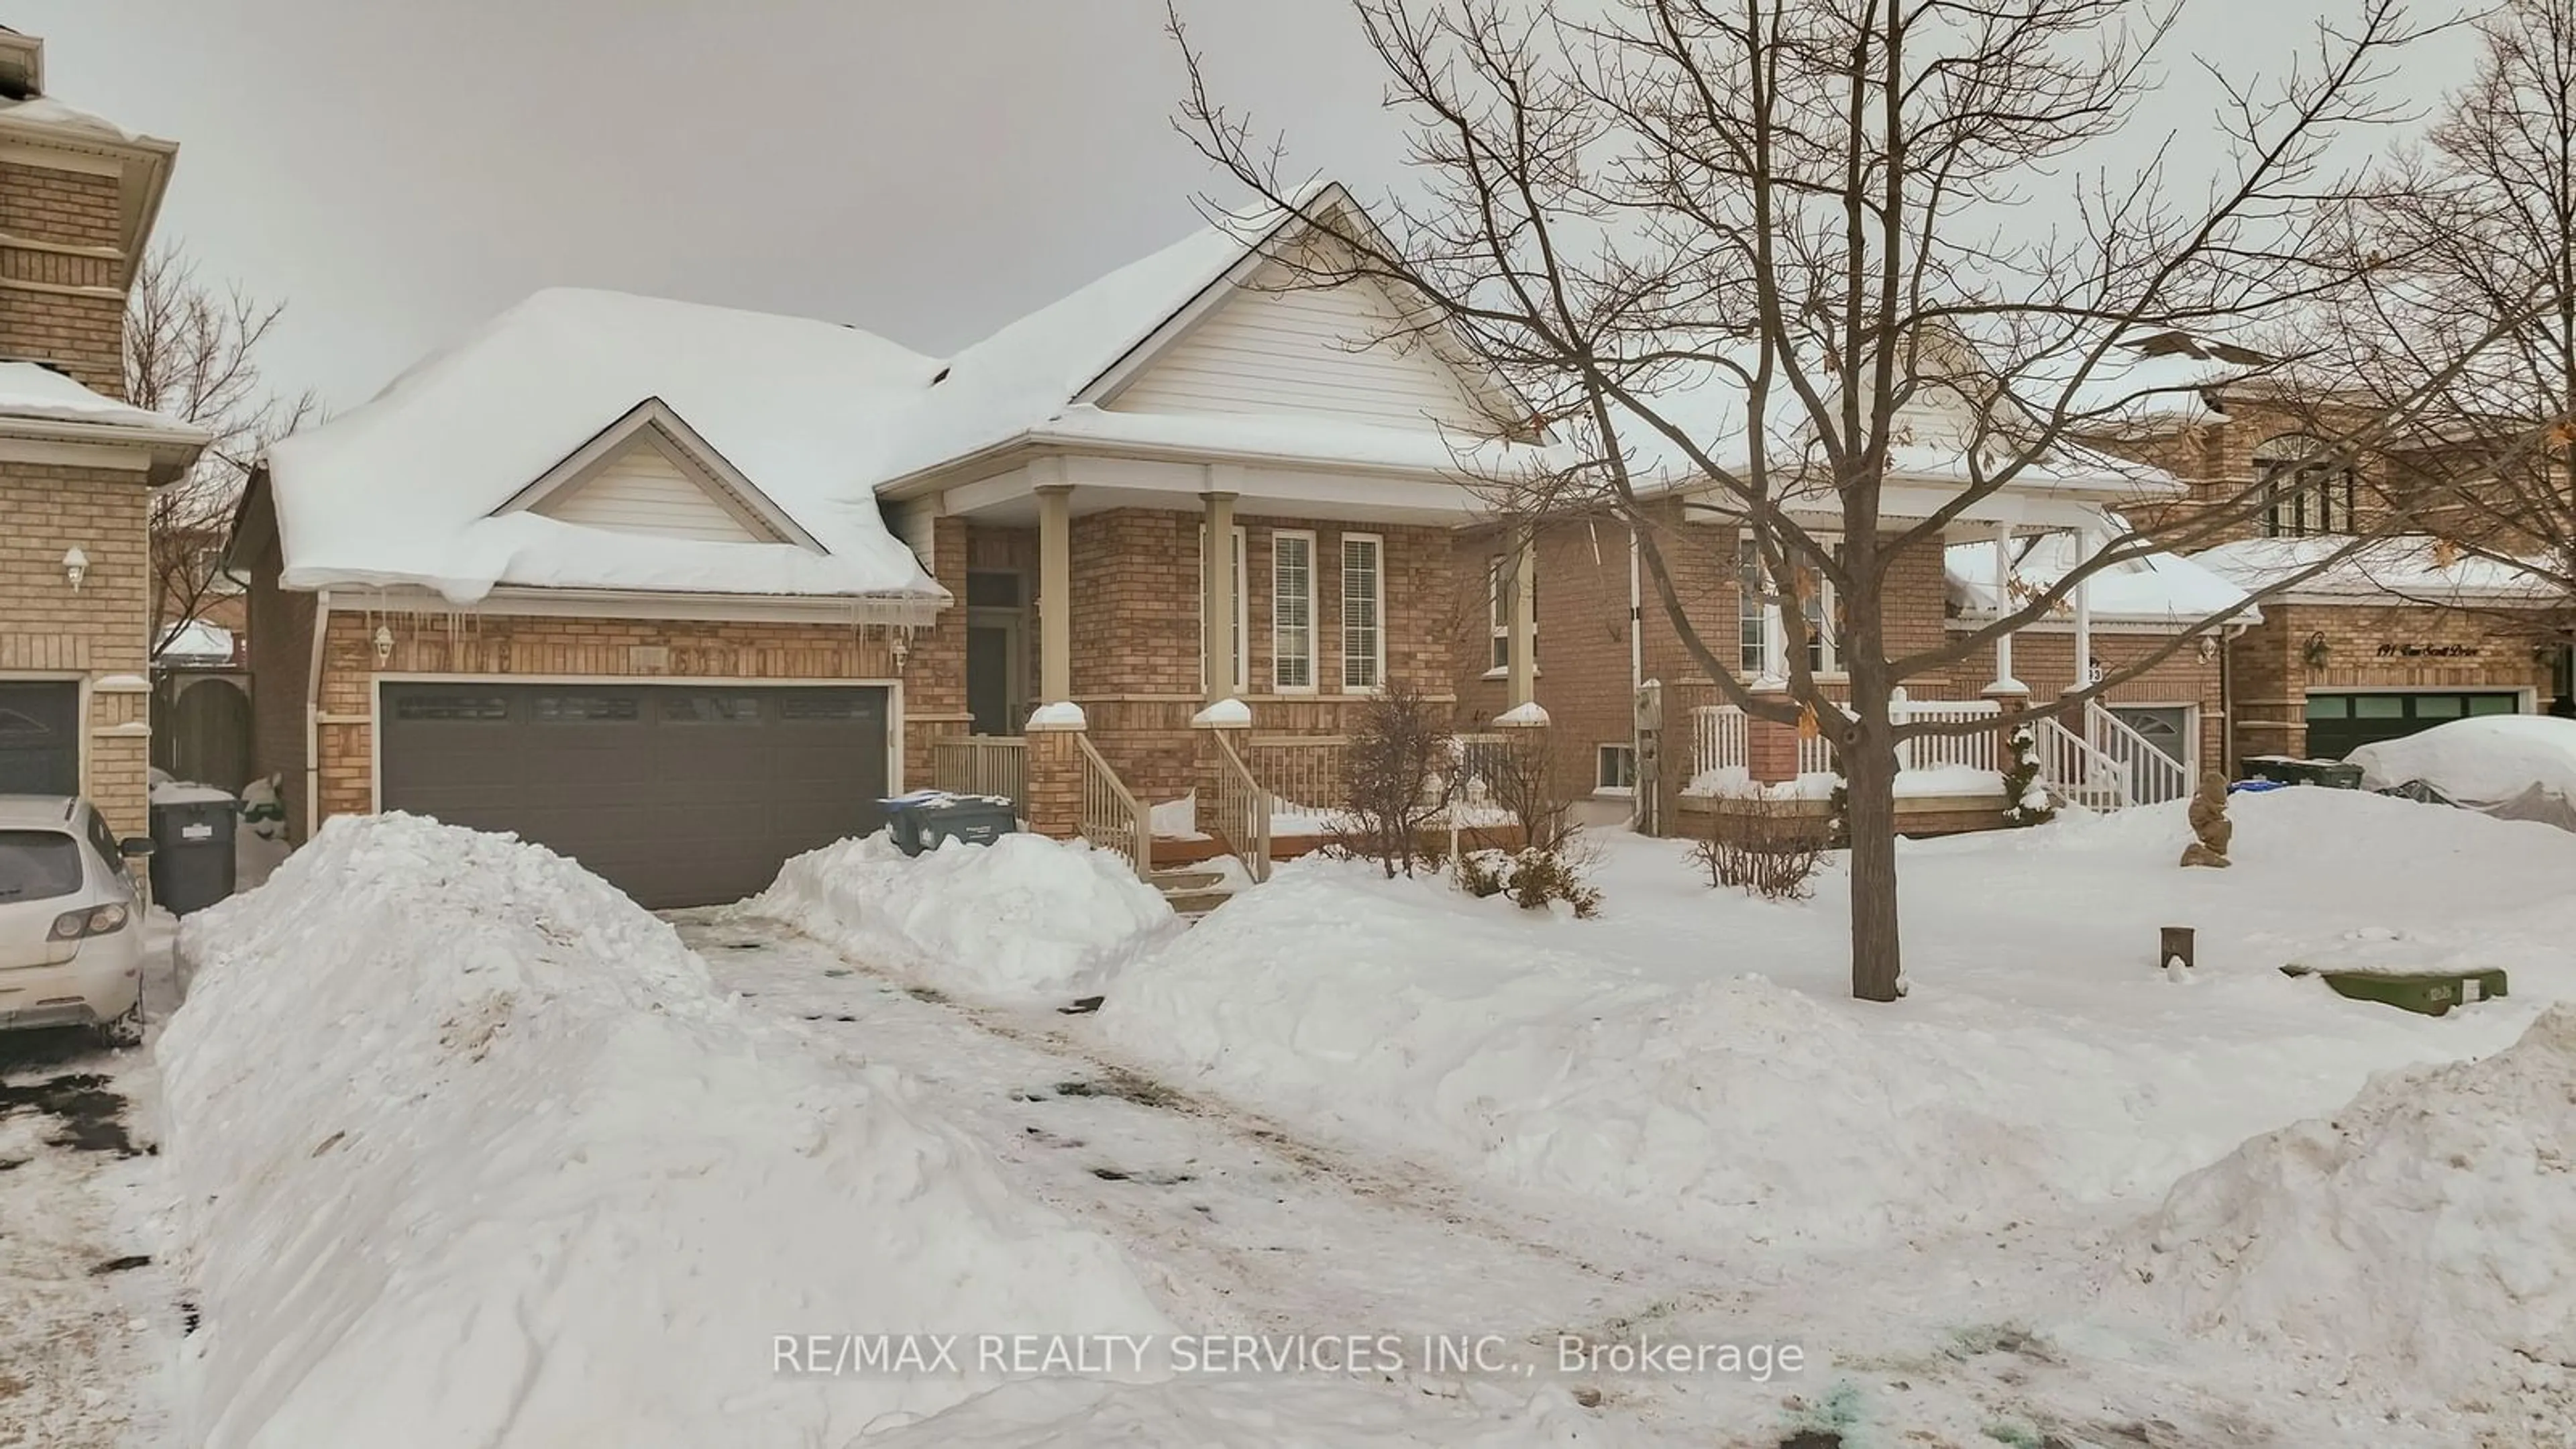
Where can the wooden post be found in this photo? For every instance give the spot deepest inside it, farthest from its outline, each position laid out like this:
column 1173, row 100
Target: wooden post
column 2174, row 943
column 2005, row 681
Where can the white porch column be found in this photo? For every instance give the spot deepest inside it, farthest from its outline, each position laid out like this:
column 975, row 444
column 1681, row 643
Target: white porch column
column 1055, row 593
column 1775, row 648
column 2083, row 614
column 1216, row 602
column 2005, row 683
column 1523, row 624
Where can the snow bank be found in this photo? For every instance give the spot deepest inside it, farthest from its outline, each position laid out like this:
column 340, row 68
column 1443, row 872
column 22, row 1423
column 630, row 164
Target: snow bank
column 1694, row 1055
column 2420, row 1235
column 469, row 1152
column 2484, row 760
column 1409, row 1014
column 1022, row 920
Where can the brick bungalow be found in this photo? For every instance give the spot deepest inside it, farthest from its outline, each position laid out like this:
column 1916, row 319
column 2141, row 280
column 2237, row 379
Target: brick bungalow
column 1601, row 632
column 682, row 591
column 78, row 197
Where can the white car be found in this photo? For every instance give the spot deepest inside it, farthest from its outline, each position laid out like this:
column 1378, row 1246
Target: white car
column 71, row 926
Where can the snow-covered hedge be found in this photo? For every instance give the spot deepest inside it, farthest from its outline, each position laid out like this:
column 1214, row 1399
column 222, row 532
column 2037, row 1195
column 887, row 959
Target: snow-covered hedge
column 468, row 1151
column 2421, row 1235
column 1020, row 921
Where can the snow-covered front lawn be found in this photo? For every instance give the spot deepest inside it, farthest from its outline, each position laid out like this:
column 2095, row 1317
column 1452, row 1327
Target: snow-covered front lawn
column 467, row 1149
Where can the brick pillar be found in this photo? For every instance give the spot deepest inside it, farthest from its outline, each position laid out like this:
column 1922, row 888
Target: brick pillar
column 1770, row 749
column 1055, row 776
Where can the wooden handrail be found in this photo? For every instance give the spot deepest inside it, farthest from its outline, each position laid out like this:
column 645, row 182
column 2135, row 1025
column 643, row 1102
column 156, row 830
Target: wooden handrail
column 1243, row 810
column 1112, row 819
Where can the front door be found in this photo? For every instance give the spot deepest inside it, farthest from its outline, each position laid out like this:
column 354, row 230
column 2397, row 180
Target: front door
column 992, row 673
column 2165, row 726
column 40, row 737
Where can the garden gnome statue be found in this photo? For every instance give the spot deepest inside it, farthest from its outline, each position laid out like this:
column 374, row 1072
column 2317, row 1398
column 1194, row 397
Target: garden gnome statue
column 2209, row 823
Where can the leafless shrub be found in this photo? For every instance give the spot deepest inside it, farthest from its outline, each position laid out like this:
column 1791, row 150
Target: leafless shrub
column 1535, row 877
column 1398, row 773
column 1517, row 769
column 1765, row 848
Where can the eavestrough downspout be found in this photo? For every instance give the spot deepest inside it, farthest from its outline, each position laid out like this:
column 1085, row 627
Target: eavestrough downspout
column 313, row 717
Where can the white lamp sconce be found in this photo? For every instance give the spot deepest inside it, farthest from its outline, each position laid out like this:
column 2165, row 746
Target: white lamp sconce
column 2206, row 647
column 75, row 567
column 384, row 645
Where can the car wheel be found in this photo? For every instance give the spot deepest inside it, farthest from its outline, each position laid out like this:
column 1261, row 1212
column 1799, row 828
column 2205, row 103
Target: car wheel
column 126, row 1032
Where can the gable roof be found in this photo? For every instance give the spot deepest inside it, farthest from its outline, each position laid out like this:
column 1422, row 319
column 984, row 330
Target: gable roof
column 2404, row 567
column 1046, row 376
column 411, row 488
column 653, row 425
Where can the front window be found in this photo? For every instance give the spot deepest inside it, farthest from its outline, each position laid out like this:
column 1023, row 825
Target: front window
column 1617, row 768
column 1292, row 611
column 2306, row 490
column 1498, row 610
column 1753, row 607
column 1242, row 661
column 1363, row 612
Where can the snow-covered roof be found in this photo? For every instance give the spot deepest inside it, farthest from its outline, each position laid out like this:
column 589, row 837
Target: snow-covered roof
column 1934, row 434
column 35, row 392
column 2157, row 588
column 1028, row 381
column 404, row 490
column 46, row 111
column 2408, row 566
column 196, row 640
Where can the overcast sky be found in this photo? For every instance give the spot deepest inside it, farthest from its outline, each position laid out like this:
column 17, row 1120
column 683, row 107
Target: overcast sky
column 398, row 170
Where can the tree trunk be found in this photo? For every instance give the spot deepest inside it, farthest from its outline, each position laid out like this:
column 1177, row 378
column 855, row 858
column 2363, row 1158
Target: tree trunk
column 1869, row 786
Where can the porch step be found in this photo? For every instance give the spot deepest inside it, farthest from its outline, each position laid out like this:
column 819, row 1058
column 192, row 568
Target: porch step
column 1192, row 893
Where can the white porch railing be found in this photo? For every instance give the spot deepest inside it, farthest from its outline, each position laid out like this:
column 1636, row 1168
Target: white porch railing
column 2153, row 776
column 982, row 765
column 1978, row 749
column 1111, row 817
column 2073, row 769
column 1719, row 739
column 1816, row 756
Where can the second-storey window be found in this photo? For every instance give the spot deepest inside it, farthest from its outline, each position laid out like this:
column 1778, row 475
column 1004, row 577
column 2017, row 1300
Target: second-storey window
column 1363, row 611
column 1292, row 611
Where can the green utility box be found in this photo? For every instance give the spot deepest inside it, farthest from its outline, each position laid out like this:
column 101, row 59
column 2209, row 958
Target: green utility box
column 2332, row 774
column 2432, row 993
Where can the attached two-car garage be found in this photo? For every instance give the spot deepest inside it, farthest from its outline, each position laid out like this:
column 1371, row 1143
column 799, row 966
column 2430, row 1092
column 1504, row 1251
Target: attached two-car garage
column 678, row 794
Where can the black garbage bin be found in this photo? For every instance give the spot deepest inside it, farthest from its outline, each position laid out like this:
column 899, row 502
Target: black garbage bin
column 2333, row 774
column 923, row 819
column 192, row 849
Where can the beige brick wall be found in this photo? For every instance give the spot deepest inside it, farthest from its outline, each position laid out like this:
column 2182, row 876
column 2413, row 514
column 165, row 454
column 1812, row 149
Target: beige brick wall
column 575, row 648
column 2369, row 646
column 60, row 297
column 96, row 632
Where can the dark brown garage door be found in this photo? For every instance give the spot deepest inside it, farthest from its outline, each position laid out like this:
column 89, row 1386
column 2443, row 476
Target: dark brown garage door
column 678, row 795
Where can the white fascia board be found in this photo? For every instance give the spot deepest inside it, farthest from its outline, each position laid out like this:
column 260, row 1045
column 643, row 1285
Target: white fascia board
column 620, row 604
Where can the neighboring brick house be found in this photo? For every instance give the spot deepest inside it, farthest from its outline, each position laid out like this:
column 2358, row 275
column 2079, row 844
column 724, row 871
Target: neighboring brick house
column 1602, row 630
column 2398, row 634
column 78, row 198
column 681, row 590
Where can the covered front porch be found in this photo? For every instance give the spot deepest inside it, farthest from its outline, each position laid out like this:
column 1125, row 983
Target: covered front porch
column 1097, row 698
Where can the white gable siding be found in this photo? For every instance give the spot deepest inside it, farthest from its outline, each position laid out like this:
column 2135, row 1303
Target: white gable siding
column 1305, row 352
column 645, row 490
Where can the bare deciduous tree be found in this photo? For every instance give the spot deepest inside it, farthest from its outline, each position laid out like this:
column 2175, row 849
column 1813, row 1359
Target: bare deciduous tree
column 191, row 353
column 1780, row 255
column 2478, row 236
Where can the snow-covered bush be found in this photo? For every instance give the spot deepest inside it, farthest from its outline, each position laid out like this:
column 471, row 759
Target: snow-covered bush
column 2025, row 798
column 1535, row 877
column 1023, row 920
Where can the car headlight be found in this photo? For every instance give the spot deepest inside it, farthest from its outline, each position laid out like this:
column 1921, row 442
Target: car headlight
column 95, row 921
